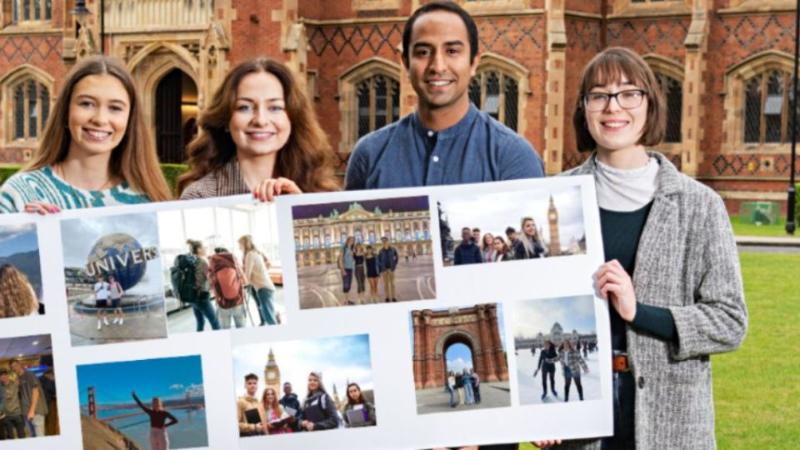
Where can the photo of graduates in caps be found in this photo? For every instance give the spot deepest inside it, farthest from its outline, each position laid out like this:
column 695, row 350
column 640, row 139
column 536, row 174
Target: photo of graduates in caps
column 20, row 271
column 459, row 358
column 362, row 252
column 112, row 270
column 511, row 226
column 302, row 386
column 555, row 343
column 222, row 267
column 28, row 405
column 151, row 404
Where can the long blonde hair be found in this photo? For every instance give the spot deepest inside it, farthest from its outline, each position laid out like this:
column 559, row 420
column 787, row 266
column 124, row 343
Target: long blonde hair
column 134, row 160
column 16, row 293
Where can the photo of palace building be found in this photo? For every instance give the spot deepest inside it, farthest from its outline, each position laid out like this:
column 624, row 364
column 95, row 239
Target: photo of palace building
column 318, row 240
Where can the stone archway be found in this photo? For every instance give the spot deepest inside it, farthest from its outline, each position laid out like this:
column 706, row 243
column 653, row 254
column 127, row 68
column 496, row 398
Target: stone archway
column 152, row 64
column 175, row 115
column 435, row 331
column 451, row 343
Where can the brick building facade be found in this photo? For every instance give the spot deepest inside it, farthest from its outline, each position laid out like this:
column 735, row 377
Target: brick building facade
column 725, row 65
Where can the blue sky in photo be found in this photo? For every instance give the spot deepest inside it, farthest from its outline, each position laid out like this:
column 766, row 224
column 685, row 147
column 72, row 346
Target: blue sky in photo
column 340, row 359
column 163, row 377
column 17, row 239
column 459, row 355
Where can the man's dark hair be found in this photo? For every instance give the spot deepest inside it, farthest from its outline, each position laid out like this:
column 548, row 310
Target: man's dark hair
column 472, row 29
column 250, row 376
column 510, row 230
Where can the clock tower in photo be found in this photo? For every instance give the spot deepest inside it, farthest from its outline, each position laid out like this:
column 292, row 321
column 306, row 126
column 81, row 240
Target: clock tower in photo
column 552, row 218
column 272, row 374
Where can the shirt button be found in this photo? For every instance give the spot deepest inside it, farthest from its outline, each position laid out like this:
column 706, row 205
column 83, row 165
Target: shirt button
column 435, row 158
column 640, row 382
column 430, row 133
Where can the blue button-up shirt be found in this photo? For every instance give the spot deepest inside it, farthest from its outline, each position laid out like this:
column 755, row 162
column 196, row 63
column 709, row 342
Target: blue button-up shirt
column 406, row 154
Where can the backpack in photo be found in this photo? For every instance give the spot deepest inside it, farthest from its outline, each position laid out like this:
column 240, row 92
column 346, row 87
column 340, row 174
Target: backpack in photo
column 224, row 276
column 182, row 276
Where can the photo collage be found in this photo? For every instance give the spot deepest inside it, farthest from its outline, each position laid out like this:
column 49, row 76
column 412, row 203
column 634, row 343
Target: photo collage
column 422, row 338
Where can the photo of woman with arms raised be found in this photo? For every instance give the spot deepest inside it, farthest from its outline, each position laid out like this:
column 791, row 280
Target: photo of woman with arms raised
column 95, row 150
column 672, row 277
column 258, row 134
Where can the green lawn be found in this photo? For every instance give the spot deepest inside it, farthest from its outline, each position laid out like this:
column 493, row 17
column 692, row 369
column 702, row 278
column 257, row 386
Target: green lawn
column 757, row 388
column 749, row 229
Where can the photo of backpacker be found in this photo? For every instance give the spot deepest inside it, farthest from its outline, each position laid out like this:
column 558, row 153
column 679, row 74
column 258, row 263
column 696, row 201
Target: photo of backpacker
column 223, row 265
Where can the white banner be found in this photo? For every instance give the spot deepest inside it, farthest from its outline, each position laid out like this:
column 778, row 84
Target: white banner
column 390, row 314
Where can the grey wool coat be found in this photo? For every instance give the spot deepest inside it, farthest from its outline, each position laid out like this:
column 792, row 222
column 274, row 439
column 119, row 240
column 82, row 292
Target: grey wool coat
column 686, row 262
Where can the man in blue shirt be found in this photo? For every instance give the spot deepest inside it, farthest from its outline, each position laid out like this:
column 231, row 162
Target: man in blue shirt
column 447, row 140
column 467, row 252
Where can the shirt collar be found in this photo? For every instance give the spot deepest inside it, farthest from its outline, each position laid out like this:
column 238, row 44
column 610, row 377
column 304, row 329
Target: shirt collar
column 460, row 126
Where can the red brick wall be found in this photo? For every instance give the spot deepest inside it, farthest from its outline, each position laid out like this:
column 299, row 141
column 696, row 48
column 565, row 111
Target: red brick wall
column 584, row 40
column 253, row 32
column 333, row 49
column 731, row 40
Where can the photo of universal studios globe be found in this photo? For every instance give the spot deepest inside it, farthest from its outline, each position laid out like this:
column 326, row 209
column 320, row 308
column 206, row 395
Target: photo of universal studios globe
column 112, row 272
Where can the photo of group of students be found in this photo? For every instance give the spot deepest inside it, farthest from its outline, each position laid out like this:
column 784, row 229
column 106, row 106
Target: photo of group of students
column 150, row 404
column 223, row 269
column 270, row 405
column 112, row 271
column 553, row 228
column 359, row 252
column 28, row 404
column 460, row 360
column 20, row 271
column 555, row 345
column 259, row 134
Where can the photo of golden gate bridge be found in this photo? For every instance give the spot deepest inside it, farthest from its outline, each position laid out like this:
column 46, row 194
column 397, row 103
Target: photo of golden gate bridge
column 148, row 404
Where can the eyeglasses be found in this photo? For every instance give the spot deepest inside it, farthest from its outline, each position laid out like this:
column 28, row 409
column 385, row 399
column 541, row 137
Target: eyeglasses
column 628, row 99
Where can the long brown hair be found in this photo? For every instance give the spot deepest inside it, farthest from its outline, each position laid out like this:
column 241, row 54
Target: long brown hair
column 275, row 405
column 134, row 160
column 16, row 293
column 307, row 157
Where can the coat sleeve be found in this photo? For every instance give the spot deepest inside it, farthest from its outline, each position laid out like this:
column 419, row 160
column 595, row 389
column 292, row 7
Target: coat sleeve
column 331, row 420
column 717, row 320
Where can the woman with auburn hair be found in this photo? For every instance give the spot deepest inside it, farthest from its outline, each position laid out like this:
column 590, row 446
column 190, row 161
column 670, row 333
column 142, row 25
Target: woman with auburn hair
column 672, row 277
column 258, row 134
column 276, row 420
column 17, row 297
column 95, row 150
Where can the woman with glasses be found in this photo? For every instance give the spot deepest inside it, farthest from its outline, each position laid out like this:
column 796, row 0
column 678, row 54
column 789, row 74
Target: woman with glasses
column 672, row 277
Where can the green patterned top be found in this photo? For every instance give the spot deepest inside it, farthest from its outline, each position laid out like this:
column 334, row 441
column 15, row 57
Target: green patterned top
column 43, row 185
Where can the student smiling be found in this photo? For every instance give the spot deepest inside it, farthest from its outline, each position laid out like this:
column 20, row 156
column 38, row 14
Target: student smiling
column 95, row 150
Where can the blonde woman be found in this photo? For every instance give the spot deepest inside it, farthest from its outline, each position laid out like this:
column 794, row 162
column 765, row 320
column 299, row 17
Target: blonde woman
column 17, row 297
column 255, row 270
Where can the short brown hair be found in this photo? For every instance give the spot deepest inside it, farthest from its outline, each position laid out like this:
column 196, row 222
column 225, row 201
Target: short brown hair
column 611, row 65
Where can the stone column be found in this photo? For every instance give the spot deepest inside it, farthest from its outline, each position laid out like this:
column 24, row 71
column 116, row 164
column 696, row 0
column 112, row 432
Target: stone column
column 499, row 353
column 430, row 351
column 556, row 84
column 696, row 44
column 418, row 350
column 487, row 371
